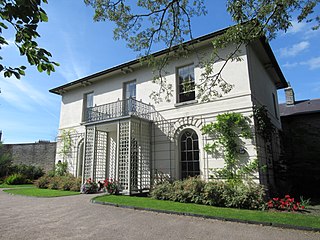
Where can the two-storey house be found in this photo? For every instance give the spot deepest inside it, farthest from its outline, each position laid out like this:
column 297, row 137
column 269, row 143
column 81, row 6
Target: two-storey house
column 116, row 131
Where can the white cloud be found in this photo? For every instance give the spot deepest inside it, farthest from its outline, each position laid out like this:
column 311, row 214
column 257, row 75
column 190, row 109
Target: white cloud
column 295, row 49
column 296, row 27
column 74, row 66
column 312, row 63
column 290, row 65
column 21, row 95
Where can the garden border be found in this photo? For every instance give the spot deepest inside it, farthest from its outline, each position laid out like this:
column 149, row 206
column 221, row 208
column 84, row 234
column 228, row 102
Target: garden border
column 278, row 225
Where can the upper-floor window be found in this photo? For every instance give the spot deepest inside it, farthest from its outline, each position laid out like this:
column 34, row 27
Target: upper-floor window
column 275, row 104
column 129, row 90
column 186, row 85
column 87, row 103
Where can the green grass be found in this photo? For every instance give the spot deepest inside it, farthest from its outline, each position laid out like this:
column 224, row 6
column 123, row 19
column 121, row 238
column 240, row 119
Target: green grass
column 17, row 186
column 37, row 192
column 295, row 219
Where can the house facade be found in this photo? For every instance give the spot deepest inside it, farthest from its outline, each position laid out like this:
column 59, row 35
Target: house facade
column 114, row 130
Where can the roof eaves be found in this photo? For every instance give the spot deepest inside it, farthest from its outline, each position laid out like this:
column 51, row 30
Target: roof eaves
column 62, row 88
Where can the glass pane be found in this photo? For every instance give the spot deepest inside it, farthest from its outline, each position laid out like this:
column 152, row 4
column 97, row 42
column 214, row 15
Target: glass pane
column 195, row 145
column 189, row 143
column 183, row 156
column 186, row 83
column 190, row 166
column 196, row 167
column 130, row 90
column 196, row 155
column 189, row 156
column 89, row 98
column 184, row 166
column 183, row 146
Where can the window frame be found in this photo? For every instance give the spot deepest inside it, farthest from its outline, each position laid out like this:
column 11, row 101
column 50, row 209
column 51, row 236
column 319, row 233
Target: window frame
column 194, row 152
column 178, row 84
column 85, row 104
column 124, row 90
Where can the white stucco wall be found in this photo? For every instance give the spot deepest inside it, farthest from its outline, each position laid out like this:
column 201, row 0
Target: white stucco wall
column 262, row 87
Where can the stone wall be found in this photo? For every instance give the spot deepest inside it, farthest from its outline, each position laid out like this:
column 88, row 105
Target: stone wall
column 38, row 154
column 301, row 153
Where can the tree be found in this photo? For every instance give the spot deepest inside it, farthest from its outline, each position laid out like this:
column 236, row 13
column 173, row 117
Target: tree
column 143, row 23
column 24, row 16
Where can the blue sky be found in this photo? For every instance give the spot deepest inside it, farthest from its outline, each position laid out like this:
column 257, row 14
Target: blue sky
column 28, row 112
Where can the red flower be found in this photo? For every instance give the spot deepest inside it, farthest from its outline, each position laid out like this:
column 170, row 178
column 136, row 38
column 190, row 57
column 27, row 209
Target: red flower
column 275, row 199
column 287, row 196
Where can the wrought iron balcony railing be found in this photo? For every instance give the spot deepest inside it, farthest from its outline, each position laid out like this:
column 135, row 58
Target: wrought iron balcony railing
column 120, row 108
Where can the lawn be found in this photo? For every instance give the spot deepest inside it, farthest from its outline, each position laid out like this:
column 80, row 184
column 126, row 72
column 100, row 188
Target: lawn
column 37, row 192
column 293, row 219
column 17, row 186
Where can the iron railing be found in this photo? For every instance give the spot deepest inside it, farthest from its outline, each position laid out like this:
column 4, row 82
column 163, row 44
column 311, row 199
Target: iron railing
column 120, row 108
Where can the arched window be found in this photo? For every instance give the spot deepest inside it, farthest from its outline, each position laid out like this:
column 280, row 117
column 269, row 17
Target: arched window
column 189, row 154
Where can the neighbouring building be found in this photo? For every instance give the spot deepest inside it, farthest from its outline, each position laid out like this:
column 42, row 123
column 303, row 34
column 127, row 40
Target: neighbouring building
column 301, row 145
column 110, row 128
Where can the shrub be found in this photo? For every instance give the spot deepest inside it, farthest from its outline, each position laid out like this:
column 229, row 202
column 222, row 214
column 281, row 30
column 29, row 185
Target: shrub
column 61, row 169
column 214, row 193
column 67, row 183
column 29, row 171
column 245, row 195
column 43, row 182
column 16, row 178
column 54, row 183
column 162, row 191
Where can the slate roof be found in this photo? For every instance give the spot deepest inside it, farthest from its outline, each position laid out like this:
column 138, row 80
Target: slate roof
column 300, row 107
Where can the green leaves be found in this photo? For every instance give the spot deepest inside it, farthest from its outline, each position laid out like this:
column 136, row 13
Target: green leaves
column 227, row 134
column 24, row 16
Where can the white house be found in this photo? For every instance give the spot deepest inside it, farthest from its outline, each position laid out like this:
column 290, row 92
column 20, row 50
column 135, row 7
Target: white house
column 116, row 131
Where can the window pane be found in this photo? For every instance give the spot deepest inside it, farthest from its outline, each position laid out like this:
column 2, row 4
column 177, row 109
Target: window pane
column 186, row 88
column 89, row 99
column 130, row 90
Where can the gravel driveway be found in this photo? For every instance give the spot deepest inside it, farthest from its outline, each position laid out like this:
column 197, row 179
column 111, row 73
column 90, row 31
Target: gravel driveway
column 74, row 217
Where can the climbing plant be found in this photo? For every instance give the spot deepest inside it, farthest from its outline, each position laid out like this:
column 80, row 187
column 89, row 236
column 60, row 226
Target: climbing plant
column 264, row 126
column 228, row 132
column 66, row 140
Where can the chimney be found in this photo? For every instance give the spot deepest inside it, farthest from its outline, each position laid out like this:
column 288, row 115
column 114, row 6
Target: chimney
column 289, row 95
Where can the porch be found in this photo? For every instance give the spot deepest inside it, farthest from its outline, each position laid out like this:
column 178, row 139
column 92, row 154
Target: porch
column 118, row 144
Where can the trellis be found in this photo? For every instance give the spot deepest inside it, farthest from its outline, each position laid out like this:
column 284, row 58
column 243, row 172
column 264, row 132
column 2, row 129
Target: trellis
column 125, row 158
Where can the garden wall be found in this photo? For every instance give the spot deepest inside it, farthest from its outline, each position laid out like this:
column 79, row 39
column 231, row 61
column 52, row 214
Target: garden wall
column 40, row 154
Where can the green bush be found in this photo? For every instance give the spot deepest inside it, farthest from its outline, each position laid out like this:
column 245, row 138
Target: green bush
column 162, row 191
column 67, row 183
column 29, row 171
column 15, row 179
column 214, row 193
column 61, row 169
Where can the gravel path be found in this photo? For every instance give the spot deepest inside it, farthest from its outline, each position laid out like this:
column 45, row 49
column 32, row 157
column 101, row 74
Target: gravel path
column 74, row 217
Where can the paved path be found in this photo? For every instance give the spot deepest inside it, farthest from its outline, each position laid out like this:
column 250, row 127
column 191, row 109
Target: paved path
column 74, row 217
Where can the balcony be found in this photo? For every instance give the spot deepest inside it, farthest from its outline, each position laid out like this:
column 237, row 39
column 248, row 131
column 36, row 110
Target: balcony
column 121, row 109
